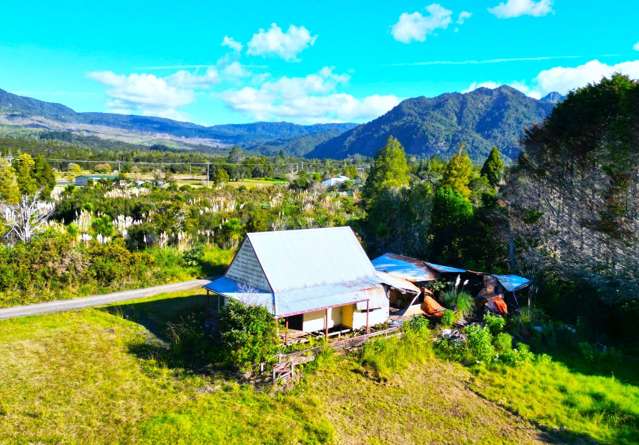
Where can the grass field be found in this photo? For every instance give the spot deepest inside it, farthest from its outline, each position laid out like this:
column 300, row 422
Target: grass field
column 120, row 375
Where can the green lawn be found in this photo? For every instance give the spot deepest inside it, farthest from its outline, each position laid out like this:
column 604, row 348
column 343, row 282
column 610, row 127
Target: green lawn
column 127, row 374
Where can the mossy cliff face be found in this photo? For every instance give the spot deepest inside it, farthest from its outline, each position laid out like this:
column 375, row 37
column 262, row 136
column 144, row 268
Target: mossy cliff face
column 574, row 197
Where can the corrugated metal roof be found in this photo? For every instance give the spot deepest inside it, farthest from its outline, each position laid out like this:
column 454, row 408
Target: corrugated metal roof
column 407, row 268
column 306, row 270
column 445, row 269
column 315, row 298
column 512, row 283
column 238, row 291
column 295, row 259
column 397, row 282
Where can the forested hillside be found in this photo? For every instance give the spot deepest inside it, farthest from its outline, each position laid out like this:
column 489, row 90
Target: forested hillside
column 479, row 120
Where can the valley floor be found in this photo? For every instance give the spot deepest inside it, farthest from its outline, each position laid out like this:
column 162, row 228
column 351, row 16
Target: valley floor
column 117, row 375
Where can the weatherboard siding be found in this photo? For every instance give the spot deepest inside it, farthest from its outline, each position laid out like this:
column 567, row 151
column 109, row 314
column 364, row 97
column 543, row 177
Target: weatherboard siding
column 247, row 269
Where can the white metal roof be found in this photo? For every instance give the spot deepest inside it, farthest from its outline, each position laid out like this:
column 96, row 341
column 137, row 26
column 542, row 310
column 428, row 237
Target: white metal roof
column 296, row 259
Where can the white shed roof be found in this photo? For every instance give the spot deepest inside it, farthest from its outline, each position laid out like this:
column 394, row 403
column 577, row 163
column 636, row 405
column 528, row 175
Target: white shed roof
column 295, row 259
column 300, row 270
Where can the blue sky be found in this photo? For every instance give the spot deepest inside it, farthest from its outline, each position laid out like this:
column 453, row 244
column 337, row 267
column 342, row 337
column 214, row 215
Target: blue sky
column 303, row 61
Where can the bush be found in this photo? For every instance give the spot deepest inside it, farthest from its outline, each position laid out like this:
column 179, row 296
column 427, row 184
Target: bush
column 479, row 344
column 449, row 318
column 503, row 342
column 520, row 354
column 464, row 304
column 249, row 336
column 495, row 323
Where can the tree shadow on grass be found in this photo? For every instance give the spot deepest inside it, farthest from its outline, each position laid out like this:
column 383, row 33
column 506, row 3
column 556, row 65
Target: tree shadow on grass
column 622, row 367
column 183, row 332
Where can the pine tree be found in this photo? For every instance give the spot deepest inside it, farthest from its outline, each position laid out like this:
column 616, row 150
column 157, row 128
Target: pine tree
column 459, row 173
column 390, row 170
column 9, row 190
column 493, row 168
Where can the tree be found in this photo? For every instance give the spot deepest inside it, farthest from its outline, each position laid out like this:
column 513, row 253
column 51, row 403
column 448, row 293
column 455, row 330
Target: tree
column 493, row 168
column 103, row 167
column 350, row 171
column 390, row 170
column 25, row 218
column 235, row 155
column 9, row 190
column 219, row 175
column 459, row 173
column 74, row 169
column 23, row 166
column 44, row 176
column 451, row 217
column 249, row 335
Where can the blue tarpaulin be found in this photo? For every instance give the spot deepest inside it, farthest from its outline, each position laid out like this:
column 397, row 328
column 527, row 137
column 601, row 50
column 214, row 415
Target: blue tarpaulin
column 403, row 267
column 445, row 269
column 512, row 283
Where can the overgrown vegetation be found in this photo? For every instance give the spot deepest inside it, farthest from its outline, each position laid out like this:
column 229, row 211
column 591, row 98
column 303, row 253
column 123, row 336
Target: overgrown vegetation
column 249, row 336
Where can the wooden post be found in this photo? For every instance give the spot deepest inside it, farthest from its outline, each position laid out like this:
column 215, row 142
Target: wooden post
column 285, row 331
column 326, row 324
column 368, row 329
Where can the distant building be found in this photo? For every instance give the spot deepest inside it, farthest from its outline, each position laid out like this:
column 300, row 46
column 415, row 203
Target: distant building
column 332, row 182
column 314, row 279
column 84, row 180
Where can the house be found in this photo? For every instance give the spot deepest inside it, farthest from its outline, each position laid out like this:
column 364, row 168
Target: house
column 332, row 182
column 313, row 279
column 84, row 180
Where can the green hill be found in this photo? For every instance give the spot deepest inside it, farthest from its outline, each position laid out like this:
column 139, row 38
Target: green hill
column 480, row 119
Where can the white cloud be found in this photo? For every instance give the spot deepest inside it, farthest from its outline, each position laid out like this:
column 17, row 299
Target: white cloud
column 230, row 42
column 150, row 95
column 416, row 27
column 564, row 79
column 463, row 16
column 186, row 79
column 517, row 8
column 636, row 46
column 286, row 45
column 310, row 99
column 235, row 70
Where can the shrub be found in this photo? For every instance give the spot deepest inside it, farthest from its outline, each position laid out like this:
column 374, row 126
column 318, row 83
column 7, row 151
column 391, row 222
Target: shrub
column 249, row 336
column 464, row 304
column 495, row 323
column 479, row 344
column 520, row 354
column 503, row 342
column 448, row 318
column 449, row 298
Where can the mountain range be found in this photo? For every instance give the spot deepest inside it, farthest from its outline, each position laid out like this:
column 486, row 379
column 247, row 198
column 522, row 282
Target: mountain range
column 479, row 119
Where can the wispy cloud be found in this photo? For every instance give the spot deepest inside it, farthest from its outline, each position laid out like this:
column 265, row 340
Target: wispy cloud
column 495, row 60
column 188, row 67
